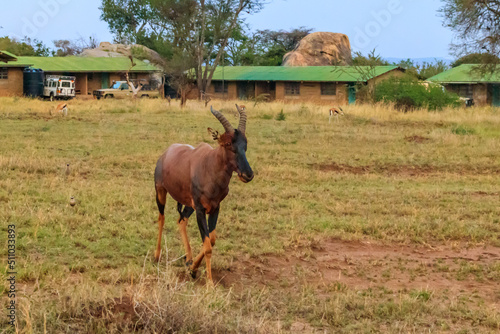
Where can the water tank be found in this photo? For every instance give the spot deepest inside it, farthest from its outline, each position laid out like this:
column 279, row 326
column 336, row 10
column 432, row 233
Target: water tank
column 33, row 82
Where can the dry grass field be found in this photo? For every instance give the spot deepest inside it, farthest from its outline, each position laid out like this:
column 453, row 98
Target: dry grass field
column 381, row 222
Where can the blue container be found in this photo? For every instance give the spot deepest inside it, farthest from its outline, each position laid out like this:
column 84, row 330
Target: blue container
column 33, row 82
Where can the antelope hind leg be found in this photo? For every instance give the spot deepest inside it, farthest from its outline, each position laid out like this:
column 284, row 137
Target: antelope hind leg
column 161, row 222
column 161, row 198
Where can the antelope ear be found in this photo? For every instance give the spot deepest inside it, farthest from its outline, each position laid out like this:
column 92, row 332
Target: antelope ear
column 214, row 133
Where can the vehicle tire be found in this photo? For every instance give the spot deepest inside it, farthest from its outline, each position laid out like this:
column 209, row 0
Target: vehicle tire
column 144, row 95
column 109, row 96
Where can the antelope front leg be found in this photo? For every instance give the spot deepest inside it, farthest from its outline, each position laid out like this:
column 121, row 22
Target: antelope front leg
column 182, row 223
column 208, row 243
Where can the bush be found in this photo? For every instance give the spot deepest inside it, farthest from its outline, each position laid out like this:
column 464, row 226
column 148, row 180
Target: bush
column 280, row 116
column 408, row 93
column 461, row 130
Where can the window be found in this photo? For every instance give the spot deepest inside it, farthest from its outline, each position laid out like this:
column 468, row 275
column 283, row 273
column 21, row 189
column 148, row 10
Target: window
column 292, row 88
column 124, row 86
column 462, row 90
column 66, row 84
column 328, row 88
column 4, row 73
column 218, row 85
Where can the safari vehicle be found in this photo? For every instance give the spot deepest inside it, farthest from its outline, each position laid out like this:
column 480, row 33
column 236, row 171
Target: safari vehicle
column 59, row 87
column 121, row 89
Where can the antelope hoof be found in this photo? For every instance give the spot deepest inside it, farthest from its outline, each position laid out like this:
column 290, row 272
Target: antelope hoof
column 193, row 273
column 157, row 257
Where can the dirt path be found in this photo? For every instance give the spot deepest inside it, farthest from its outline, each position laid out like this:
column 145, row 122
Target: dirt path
column 361, row 265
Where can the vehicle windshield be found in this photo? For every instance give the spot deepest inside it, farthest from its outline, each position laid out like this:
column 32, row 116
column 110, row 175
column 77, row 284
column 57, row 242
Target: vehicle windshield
column 116, row 85
column 66, row 84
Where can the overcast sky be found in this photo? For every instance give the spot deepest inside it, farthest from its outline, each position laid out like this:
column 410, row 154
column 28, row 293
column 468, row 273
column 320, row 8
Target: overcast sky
column 396, row 28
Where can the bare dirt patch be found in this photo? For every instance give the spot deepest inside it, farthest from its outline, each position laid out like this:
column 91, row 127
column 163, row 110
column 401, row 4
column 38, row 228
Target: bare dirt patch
column 405, row 170
column 335, row 264
column 417, row 139
column 408, row 170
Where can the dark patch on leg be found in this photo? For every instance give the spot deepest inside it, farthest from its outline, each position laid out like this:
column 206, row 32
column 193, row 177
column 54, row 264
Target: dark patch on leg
column 187, row 212
column 179, row 208
column 212, row 220
column 161, row 207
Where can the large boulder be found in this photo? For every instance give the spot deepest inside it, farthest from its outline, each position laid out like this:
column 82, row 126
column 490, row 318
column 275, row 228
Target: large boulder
column 320, row 49
column 106, row 49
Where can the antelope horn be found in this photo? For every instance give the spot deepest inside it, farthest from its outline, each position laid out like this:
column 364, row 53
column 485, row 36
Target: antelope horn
column 225, row 123
column 243, row 120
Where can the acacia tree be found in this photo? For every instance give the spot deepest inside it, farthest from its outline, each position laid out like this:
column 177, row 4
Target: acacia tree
column 476, row 23
column 66, row 47
column 197, row 29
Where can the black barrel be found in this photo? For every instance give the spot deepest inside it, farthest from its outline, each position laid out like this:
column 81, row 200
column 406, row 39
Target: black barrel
column 33, row 82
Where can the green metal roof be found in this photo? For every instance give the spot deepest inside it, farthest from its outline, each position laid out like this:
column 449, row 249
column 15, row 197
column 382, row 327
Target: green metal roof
column 74, row 64
column 466, row 73
column 7, row 56
column 305, row 73
column 8, row 59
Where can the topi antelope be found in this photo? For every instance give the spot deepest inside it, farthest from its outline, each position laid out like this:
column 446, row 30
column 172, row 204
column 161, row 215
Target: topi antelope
column 198, row 179
column 335, row 112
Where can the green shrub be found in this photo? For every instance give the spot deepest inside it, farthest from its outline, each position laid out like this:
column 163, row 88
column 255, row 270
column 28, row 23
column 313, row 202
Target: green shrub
column 408, row 93
column 462, row 130
column 281, row 116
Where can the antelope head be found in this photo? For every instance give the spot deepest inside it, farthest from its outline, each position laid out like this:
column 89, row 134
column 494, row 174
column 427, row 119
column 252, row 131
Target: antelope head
column 234, row 142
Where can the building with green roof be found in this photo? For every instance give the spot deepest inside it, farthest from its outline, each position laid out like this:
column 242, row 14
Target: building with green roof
column 91, row 73
column 11, row 74
column 329, row 84
column 469, row 81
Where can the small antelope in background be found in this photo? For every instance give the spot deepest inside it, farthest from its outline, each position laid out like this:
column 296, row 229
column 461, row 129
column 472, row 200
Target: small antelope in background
column 335, row 112
column 198, row 179
column 61, row 108
column 207, row 100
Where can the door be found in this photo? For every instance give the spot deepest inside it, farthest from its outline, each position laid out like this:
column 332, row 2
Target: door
column 495, row 95
column 104, row 80
column 242, row 90
column 352, row 93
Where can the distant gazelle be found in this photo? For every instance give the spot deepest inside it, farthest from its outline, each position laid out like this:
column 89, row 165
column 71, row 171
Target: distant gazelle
column 62, row 108
column 335, row 112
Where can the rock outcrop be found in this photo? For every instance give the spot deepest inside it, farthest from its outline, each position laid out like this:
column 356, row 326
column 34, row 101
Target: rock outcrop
column 107, row 49
column 320, row 49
